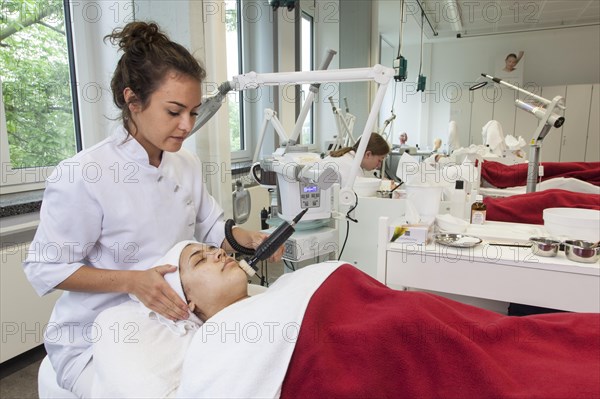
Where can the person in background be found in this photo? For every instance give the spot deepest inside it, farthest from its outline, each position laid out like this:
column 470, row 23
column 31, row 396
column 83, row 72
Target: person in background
column 113, row 210
column 342, row 159
column 437, row 145
column 403, row 139
column 511, row 61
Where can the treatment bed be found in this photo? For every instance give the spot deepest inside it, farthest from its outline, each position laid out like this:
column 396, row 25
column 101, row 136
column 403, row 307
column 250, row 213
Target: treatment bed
column 529, row 207
column 500, row 180
column 340, row 333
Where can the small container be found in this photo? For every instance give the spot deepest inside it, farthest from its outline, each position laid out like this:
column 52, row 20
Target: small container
column 582, row 251
column 458, row 198
column 478, row 211
column 384, row 194
column 543, row 246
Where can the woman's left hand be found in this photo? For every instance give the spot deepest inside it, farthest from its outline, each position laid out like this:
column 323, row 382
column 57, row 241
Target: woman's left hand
column 258, row 237
column 252, row 239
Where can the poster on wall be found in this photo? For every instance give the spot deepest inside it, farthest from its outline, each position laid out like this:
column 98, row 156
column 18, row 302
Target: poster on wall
column 510, row 67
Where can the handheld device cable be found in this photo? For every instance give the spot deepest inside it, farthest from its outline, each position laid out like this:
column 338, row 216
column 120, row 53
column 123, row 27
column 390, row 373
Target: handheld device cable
column 270, row 245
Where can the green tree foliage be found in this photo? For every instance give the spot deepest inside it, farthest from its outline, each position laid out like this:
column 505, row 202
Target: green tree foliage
column 234, row 124
column 34, row 71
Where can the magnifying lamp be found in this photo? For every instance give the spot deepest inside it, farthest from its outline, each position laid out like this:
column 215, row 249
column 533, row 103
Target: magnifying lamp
column 211, row 105
column 547, row 119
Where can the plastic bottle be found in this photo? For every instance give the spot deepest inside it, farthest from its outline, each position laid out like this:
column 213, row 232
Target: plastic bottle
column 478, row 211
column 458, row 199
column 241, row 203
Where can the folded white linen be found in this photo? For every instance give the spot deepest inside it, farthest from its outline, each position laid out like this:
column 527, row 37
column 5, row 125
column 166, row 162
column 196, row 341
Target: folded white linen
column 493, row 136
column 135, row 356
column 244, row 350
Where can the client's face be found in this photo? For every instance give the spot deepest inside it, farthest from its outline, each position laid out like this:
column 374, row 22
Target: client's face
column 211, row 280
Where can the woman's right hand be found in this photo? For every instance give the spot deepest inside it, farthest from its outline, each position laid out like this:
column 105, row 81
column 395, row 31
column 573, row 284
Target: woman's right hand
column 151, row 288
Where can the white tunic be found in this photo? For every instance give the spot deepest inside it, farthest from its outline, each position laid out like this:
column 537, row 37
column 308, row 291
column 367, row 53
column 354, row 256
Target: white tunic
column 108, row 208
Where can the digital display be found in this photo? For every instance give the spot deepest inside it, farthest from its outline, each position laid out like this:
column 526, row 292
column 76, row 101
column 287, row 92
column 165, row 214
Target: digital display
column 311, row 189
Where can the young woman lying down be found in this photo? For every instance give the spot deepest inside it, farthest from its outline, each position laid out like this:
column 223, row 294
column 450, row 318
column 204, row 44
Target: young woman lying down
column 329, row 330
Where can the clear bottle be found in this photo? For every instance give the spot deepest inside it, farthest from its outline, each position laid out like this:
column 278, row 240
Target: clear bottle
column 458, row 199
column 478, row 211
column 241, row 203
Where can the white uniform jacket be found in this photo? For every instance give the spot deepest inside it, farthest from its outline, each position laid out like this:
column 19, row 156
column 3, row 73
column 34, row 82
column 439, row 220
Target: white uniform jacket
column 108, row 208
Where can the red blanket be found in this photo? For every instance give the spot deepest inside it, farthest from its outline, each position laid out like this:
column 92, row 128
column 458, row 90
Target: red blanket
column 361, row 339
column 503, row 176
column 529, row 208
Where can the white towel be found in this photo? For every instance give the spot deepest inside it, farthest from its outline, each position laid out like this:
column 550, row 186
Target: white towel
column 493, row 136
column 244, row 350
column 179, row 327
column 134, row 356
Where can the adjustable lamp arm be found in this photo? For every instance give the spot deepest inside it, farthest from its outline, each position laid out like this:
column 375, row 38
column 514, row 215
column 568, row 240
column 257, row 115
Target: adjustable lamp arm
column 252, row 80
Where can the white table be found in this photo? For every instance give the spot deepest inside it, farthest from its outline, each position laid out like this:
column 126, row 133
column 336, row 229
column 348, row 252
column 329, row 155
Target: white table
column 510, row 274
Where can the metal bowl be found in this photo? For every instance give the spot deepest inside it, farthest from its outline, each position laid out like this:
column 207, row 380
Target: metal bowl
column 542, row 246
column 582, row 251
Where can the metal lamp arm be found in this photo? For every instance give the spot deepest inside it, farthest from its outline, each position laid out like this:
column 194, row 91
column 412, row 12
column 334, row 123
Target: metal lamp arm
column 377, row 73
column 269, row 116
column 528, row 93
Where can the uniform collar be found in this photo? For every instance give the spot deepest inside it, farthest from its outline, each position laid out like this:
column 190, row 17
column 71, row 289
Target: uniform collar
column 132, row 148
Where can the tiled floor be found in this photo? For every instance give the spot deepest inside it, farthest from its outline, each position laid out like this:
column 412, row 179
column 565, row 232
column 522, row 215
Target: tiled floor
column 18, row 376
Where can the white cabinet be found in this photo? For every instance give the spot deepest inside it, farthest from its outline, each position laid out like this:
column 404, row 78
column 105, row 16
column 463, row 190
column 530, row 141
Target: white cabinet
column 23, row 314
column 575, row 129
column 592, row 149
column 505, row 110
column 482, row 111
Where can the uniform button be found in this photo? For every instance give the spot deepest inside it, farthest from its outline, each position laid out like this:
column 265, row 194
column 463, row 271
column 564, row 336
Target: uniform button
column 189, row 202
column 191, row 224
column 159, row 178
column 176, row 188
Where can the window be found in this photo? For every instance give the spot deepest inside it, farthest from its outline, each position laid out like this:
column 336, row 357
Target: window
column 39, row 117
column 306, row 62
column 234, row 67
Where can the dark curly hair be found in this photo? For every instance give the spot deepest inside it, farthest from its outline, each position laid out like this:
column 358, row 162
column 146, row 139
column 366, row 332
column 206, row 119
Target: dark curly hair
column 148, row 55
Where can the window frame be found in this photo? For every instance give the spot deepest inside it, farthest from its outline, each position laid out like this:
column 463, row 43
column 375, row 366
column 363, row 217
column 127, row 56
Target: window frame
column 304, row 16
column 33, row 178
column 245, row 153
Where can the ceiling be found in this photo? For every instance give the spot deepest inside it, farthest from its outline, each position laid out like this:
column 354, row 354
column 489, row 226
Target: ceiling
column 472, row 18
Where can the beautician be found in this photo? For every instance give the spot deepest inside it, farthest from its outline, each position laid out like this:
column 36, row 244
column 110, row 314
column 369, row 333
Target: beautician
column 113, row 210
column 342, row 159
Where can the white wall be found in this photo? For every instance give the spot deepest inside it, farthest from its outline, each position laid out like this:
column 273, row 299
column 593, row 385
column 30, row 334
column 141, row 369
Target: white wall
column 410, row 107
column 553, row 57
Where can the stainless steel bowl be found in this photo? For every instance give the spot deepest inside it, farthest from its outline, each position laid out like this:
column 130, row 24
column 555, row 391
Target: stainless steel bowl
column 542, row 246
column 582, row 251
